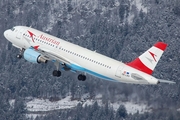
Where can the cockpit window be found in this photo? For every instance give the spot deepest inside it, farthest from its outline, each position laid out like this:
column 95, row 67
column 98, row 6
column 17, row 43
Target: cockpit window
column 13, row 29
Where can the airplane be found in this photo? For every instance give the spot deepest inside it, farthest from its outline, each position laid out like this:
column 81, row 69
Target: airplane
column 39, row 47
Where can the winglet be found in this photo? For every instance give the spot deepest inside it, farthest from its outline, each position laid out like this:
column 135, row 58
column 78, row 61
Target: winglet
column 36, row 47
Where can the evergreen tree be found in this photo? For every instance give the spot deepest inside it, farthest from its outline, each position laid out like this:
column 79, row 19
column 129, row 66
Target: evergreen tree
column 121, row 112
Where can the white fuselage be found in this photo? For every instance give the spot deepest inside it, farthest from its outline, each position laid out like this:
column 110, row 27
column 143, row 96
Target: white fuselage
column 79, row 58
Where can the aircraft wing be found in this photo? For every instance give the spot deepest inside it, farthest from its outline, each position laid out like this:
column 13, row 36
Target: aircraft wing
column 67, row 64
column 166, row 81
column 52, row 56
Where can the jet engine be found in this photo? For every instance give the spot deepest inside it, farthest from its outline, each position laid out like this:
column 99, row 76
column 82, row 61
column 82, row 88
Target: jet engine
column 33, row 56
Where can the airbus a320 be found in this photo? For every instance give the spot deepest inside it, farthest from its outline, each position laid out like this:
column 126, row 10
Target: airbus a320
column 39, row 47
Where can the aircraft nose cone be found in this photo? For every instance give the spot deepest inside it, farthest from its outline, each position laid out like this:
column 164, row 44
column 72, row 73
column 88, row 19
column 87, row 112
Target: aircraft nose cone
column 6, row 34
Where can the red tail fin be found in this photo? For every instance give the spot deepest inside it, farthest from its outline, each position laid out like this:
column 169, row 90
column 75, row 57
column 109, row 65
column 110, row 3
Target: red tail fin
column 149, row 59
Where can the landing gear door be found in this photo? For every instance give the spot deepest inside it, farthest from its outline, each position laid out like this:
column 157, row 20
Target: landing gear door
column 119, row 71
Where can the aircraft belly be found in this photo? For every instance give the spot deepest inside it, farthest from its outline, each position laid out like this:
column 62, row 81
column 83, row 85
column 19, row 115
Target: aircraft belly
column 94, row 73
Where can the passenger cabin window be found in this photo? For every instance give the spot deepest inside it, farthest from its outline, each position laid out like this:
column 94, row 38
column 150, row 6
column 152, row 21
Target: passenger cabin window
column 91, row 60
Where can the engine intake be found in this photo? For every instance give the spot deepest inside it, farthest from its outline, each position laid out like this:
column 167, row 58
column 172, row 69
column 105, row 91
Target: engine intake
column 33, row 56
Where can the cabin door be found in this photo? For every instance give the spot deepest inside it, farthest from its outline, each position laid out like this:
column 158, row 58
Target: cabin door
column 119, row 71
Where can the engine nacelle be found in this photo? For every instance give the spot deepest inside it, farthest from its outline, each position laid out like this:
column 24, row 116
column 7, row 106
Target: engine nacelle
column 33, row 56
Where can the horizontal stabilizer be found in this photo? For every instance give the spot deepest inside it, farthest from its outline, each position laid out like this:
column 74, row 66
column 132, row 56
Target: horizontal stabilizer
column 166, row 81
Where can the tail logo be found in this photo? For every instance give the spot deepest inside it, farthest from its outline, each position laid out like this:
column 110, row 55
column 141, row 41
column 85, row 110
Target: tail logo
column 153, row 55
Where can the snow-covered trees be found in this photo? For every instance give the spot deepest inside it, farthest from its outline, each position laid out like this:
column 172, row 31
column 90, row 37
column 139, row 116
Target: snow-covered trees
column 117, row 28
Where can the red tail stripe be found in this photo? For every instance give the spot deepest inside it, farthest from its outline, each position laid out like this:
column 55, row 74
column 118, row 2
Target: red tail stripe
column 137, row 64
column 161, row 45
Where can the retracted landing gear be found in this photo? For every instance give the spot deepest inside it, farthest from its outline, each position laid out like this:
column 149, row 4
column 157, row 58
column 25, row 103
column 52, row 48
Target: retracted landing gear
column 56, row 73
column 81, row 77
column 20, row 53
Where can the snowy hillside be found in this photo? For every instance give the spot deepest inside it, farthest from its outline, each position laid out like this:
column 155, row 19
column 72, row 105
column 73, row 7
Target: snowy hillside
column 40, row 105
column 35, row 106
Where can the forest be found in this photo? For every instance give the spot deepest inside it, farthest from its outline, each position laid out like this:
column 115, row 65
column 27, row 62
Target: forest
column 119, row 29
